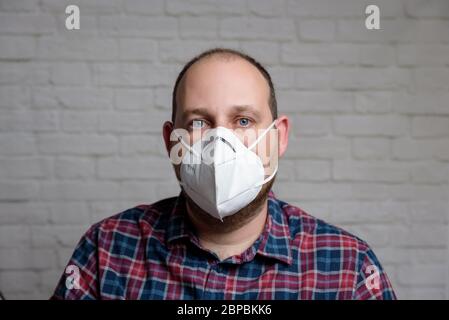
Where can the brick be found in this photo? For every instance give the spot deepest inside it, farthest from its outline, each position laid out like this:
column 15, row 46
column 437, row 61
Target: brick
column 370, row 78
column 418, row 103
column 430, row 126
column 77, row 144
column 371, row 148
column 77, row 49
column 19, row 6
column 419, row 293
column 133, row 75
column 427, row 9
column 286, row 167
column 183, row 50
column 135, row 122
column 15, row 97
column 313, row 78
column 163, row 98
column 27, row 258
column 354, row 30
column 423, row 55
column 26, row 213
column 204, row 7
column 13, row 73
column 317, row 30
column 27, row 24
column 266, row 8
column 369, row 171
column 369, row 213
column 18, row 190
column 324, row 8
column 134, row 99
column 137, row 49
column 373, row 102
column 431, row 31
column 377, row 55
column 312, row 170
column 79, row 190
column 409, row 192
column 305, row 101
column 373, row 125
column 25, row 167
column 79, row 121
column 257, row 28
column 17, row 48
column 135, row 26
column 73, row 97
column 318, row 54
column 74, row 168
column 431, row 78
column 410, row 149
column 282, row 77
column 341, row 9
column 37, row 121
column 142, row 145
column 15, row 236
column 429, row 275
column 19, row 281
column 198, row 27
column 112, row 168
column 60, row 236
column 312, row 125
column 17, row 144
column 138, row 191
column 266, row 53
column 428, row 212
column 145, row 7
column 63, row 74
column 318, row 148
column 310, row 191
column 98, row 6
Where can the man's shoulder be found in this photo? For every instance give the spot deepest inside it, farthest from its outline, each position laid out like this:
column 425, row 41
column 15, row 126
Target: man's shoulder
column 320, row 232
column 135, row 220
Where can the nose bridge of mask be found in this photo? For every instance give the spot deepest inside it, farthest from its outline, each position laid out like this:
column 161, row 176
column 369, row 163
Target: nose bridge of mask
column 223, row 148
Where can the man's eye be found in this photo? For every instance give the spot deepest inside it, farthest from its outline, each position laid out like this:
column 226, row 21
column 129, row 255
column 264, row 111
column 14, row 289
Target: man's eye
column 244, row 122
column 197, row 124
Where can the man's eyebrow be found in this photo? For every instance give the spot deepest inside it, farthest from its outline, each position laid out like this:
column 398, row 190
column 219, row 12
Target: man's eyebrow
column 244, row 107
column 195, row 111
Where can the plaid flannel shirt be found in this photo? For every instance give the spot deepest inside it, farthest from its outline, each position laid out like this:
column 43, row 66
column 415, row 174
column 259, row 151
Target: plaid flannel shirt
column 152, row 252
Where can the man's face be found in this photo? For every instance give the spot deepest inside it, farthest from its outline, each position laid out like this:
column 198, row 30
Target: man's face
column 230, row 93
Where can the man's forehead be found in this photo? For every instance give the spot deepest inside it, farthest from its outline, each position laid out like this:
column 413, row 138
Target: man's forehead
column 218, row 73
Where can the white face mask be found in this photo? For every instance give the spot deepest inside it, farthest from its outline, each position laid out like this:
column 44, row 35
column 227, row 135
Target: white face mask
column 222, row 175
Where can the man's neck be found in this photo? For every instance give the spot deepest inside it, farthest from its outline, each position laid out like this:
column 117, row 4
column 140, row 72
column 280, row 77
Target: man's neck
column 227, row 244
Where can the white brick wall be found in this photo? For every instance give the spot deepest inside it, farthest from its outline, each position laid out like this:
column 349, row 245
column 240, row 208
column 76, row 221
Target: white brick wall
column 81, row 114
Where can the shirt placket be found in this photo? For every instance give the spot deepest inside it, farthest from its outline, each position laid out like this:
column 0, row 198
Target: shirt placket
column 215, row 282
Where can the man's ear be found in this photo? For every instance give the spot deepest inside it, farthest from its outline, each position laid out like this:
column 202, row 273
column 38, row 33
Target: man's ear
column 283, row 126
column 167, row 129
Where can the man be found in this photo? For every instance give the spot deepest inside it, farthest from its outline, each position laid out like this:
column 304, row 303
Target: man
column 225, row 236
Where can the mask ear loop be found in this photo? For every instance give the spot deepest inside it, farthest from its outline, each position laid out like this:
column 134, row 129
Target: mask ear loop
column 262, row 135
column 180, row 139
column 255, row 143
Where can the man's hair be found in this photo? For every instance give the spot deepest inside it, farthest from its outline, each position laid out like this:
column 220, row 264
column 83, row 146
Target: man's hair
column 227, row 53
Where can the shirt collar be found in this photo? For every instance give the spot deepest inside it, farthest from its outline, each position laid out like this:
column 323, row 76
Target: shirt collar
column 274, row 242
